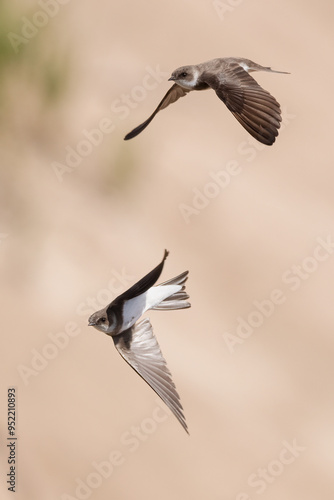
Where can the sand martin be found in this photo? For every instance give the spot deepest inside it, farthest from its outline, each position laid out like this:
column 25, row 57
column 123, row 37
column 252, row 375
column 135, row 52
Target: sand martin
column 257, row 110
column 136, row 342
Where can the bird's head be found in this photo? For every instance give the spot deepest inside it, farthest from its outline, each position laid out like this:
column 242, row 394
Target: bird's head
column 103, row 321
column 186, row 76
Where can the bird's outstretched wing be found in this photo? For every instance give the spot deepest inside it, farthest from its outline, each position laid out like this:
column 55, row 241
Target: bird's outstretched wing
column 139, row 347
column 174, row 93
column 257, row 110
column 143, row 284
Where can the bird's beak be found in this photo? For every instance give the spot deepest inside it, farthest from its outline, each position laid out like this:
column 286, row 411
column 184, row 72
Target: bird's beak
column 172, row 78
column 91, row 323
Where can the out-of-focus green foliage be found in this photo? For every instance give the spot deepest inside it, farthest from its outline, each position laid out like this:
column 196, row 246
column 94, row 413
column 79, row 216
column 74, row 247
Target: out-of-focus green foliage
column 37, row 60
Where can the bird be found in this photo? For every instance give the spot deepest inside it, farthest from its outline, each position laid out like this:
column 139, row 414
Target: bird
column 135, row 340
column 254, row 108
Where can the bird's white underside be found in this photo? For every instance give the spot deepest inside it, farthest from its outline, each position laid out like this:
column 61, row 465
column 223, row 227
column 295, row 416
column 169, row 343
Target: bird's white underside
column 134, row 308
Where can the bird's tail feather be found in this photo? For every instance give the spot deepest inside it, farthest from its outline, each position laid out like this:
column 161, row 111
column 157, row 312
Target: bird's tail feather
column 275, row 71
column 177, row 300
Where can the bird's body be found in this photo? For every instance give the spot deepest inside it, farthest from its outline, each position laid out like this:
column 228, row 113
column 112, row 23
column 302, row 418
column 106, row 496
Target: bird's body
column 257, row 110
column 134, row 308
column 135, row 341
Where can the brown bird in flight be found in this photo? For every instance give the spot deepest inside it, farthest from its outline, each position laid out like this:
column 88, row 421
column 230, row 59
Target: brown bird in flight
column 257, row 110
column 135, row 340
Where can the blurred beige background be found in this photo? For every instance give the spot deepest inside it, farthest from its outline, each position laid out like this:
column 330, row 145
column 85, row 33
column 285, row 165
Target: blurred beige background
column 253, row 358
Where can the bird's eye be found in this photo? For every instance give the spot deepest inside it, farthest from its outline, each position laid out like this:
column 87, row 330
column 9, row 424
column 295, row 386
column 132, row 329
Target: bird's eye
column 102, row 320
column 184, row 74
